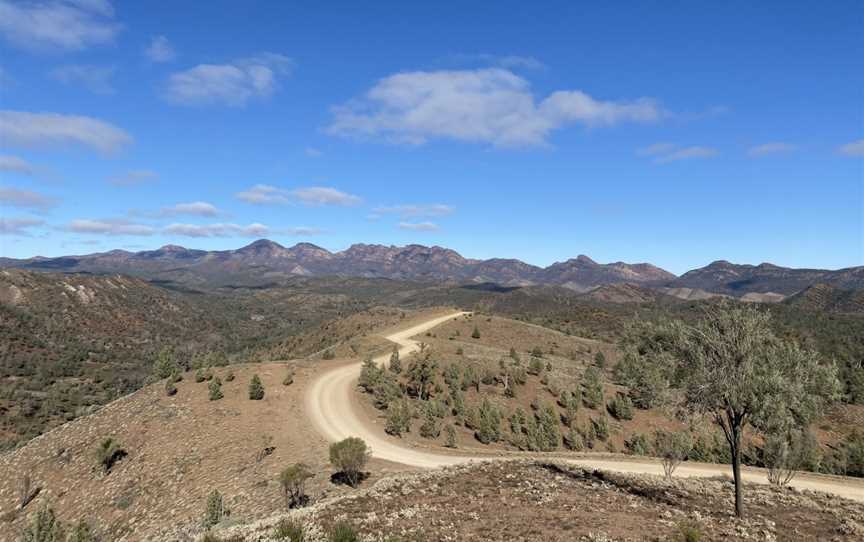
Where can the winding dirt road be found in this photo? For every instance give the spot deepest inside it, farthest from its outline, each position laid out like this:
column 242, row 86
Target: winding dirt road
column 331, row 405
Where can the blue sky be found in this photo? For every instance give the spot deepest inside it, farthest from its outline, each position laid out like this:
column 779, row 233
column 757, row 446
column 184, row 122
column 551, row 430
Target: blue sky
column 671, row 132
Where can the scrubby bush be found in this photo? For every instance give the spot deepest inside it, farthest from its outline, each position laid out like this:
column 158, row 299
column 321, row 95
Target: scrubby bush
column 230, row 376
column 431, row 427
column 476, row 333
column 215, row 388
column 82, row 532
column 395, row 362
column 108, row 453
column 164, row 365
column 672, row 447
column 215, row 510
column 343, row 532
column 600, row 360
column 290, row 530
column 637, row 444
column 45, row 527
column 289, row 377
column 785, row 453
column 350, row 456
column 170, row 388
column 292, row 480
column 199, row 376
column 256, row 388
column 548, row 435
column 689, row 531
column 450, row 436
column 537, row 352
column 535, row 366
column 601, row 427
column 328, row 354
column 620, row 407
column 573, row 440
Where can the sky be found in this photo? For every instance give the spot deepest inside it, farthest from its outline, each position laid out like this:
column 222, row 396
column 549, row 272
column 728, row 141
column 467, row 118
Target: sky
column 676, row 133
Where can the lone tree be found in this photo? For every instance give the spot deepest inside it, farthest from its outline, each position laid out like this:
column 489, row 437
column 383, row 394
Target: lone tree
column 731, row 367
column 293, row 482
column 350, row 456
column 256, row 388
column 672, row 447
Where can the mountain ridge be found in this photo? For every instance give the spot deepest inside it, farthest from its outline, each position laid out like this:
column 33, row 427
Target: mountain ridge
column 264, row 260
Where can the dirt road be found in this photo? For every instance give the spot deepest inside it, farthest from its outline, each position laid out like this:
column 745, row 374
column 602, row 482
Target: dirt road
column 331, row 406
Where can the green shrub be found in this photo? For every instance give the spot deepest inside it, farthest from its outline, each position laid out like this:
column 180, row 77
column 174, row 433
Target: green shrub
column 82, row 532
column 601, row 427
column 689, row 531
column 343, row 532
column 450, row 436
column 289, row 530
column 256, row 388
column 488, row 423
column 170, row 388
column 476, row 333
column 292, row 480
column 230, row 376
column 620, row 407
column 215, row 510
column 45, row 527
column 215, row 388
column 431, row 428
column 573, row 440
column 637, row 444
column 592, row 383
column 535, row 366
column 199, row 376
column 399, row 415
column 672, row 447
column 164, row 365
column 600, row 360
column 395, row 362
column 350, row 456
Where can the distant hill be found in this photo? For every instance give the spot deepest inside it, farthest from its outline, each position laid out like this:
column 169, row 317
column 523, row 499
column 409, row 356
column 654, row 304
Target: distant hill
column 738, row 280
column 265, row 260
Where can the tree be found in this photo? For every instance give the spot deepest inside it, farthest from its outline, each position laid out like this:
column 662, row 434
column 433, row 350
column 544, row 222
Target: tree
column 370, row 375
column 350, row 456
column 672, row 447
column 732, row 367
column 395, row 362
column 421, row 373
column 431, row 428
column 593, row 384
column 620, row 407
column 600, row 360
column 399, row 414
column 256, row 388
column 293, row 482
column 489, row 422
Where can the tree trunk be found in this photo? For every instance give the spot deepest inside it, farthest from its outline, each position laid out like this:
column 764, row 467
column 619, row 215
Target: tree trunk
column 736, row 469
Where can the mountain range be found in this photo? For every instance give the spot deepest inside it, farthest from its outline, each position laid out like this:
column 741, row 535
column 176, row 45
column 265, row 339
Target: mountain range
column 264, row 261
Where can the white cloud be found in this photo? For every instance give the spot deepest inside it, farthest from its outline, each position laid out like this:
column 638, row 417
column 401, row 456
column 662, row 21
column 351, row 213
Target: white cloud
column 13, row 164
column 133, row 177
column 19, row 226
column 418, row 226
column 231, row 84
column 664, row 153
column 855, row 148
column 323, row 195
column 409, row 211
column 217, row 230
column 96, row 79
column 25, row 199
column 57, row 24
column 313, row 152
column 23, row 129
column 160, row 50
column 195, row 208
column 112, row 227
column 264, row 194
column 504, row 61
column 771, row 148
column 490, row 105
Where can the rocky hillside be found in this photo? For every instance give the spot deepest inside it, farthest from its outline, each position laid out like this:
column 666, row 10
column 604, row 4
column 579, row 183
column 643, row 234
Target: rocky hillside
column 265, row 261
column 822, row 297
